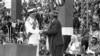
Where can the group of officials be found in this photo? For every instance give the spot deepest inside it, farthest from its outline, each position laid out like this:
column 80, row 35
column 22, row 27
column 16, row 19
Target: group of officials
column 53, row 31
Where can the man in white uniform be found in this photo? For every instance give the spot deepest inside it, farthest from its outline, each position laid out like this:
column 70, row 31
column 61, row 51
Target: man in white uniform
column 32, row 29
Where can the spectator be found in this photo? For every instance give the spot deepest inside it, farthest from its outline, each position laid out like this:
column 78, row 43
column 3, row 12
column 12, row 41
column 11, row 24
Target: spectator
column 94, row 47
column 75, row 43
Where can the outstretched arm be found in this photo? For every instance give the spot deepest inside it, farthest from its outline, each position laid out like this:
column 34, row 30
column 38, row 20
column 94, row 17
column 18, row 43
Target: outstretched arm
column 52, row 30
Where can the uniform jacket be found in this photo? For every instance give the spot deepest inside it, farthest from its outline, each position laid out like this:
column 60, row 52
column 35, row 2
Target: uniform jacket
column 54, row 33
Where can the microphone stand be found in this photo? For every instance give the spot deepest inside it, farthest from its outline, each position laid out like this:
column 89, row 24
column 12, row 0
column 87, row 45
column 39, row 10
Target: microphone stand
column 8, row 40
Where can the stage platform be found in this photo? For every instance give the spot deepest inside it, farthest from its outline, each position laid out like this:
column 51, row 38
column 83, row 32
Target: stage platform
column 17, row 50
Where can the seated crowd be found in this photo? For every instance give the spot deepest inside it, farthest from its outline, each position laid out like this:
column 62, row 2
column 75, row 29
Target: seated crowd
column 86, row 24
column 86, row 43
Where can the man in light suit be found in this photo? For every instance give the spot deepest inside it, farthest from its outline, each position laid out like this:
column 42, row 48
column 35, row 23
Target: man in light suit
column 32, row 30
column 55, row 36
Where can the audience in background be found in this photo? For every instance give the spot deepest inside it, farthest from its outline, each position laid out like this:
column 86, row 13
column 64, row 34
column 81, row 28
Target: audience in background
column 87, row 20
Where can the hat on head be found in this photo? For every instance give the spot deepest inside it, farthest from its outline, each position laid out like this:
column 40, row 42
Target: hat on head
column 33, row 15
column 32, row 10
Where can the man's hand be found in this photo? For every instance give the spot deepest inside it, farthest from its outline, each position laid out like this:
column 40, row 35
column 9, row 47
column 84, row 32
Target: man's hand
column 41, row 31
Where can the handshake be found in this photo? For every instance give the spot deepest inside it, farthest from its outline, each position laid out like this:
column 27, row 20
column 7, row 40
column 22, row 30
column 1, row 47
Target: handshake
column 41, row 31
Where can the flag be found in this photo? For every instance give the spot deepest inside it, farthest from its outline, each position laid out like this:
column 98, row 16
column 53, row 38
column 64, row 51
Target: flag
column 59, row 2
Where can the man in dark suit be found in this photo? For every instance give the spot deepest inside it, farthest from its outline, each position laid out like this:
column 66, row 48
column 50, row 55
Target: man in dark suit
column 55, row 36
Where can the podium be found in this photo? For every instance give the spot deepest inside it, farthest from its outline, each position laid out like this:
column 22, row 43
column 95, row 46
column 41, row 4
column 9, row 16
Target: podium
column 17, row 50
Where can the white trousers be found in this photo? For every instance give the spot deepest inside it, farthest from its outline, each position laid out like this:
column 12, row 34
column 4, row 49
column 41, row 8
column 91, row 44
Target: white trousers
column 34, row 40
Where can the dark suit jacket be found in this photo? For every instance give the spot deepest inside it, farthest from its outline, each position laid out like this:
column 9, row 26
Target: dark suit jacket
column 54, row 33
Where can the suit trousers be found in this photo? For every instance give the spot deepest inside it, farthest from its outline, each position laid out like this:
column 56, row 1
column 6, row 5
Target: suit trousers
column 57, row 50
